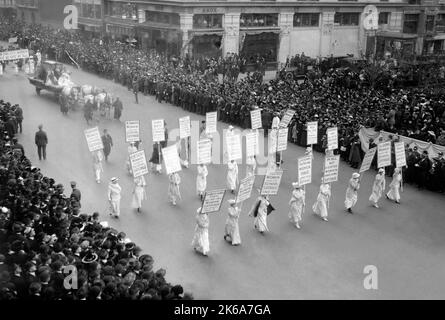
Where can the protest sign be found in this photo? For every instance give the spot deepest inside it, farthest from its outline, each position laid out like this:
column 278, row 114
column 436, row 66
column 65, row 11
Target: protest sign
column 245, row 189
column 287, row 118
column 211, row 119
column 234, row 147
column 304, row 170
column 138, row 163
column 94, row 139
column 312, row 132
column 255, row 118
column 282, row 139
column 331, row 169
column 132, row 131
column 400, row 154
column 171, row 159
column 252, row 144
column 157, row 130
column 204, row 151
column 271, row 182
column 367, row 160
column 212, row 201
column 384, row 154
column 332, row 134
column 14, row 55
column 184, row 127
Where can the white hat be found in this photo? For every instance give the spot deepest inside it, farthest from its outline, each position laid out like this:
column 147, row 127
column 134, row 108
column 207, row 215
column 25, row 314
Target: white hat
column 381, row 170
column 230, row 127
column 231, row 201
column 295, row 185
column 114, row 179
column 355, row 175
column 199, row 210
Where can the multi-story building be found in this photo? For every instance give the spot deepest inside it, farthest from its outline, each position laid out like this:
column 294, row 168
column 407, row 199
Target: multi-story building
column 48, row 12
column 7, row 7
column 275, row 29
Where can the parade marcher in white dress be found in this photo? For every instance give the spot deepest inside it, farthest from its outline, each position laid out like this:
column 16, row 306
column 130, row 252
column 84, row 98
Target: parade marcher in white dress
column 114, row 197
column 232, row 175
column 259, row 211
column 251, row 166
column 139, row 192
column 200, row 240
column 231, row 232
column 297, row 204
column 321, row 206
column 97, row 164
column 351, row 192
column 394, row 187
column 173, row 188
column 131, row 149
column 201, row 180
column 378, row 187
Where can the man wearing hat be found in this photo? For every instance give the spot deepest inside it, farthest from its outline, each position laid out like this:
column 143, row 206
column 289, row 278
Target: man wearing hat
column 297, row 204
column 231, row 232
column 378, row 187
column 76, row 194
column 422, row 167
column 351, row 191
column 114, row 197
column 41, row 140
column 200, row 240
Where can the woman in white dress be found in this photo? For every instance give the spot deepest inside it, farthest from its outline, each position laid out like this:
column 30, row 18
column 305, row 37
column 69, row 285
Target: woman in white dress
column 97, row 164
column 200, row 240
column 321, row 206
column 231, row 232
column 259, row 211
column 232, row 175
column 394, row 187
column 378, row 187
column 251, row 166
column 351, row 192
column 139, row 193
column 297, row 203
column 201, row 180
column 173, row 188
column 131, row 149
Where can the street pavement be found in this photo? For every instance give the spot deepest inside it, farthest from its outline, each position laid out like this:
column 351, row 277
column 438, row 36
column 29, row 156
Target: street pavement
column 323, row 260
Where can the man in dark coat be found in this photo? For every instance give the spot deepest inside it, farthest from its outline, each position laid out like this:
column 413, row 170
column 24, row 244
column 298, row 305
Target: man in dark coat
column 423, row 166
column 107, row 141
column 41, row 140
column 76, row 194
column 18, row 146
column 19, row 116
column 117, row 109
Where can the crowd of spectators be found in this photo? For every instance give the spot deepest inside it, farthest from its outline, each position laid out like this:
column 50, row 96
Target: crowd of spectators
column 347, row 97
column 45, row 236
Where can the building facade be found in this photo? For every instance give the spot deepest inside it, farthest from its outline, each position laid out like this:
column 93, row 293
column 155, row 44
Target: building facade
column 275, row 29
column 48, row 12
column 7, row 8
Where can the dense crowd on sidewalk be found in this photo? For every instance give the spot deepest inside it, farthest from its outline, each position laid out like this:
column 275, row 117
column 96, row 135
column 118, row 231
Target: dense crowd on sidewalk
column 45, row 235
column 332, row 96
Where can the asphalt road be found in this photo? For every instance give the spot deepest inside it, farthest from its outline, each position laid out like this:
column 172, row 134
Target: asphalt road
column 323, row 260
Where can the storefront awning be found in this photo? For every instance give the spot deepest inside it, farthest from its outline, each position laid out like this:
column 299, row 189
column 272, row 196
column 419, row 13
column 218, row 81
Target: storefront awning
column 254, row 31
column 398, row 35
column 203, row 32
column 437, row 37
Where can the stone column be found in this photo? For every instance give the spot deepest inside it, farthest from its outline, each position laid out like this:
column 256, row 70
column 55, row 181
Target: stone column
column 186, row 23
column 231, row 33
column 285, row 23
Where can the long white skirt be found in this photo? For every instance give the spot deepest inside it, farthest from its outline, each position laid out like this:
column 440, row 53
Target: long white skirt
column 115, row 207
column 232, row 230
column 376, row 194
column 321, row 208
column 201, row 240
column 260, row 222
column 296, row 210
column 173, row 192
column 394, row 193
column 138, row 195
column 351, row 199
column 231, row 180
